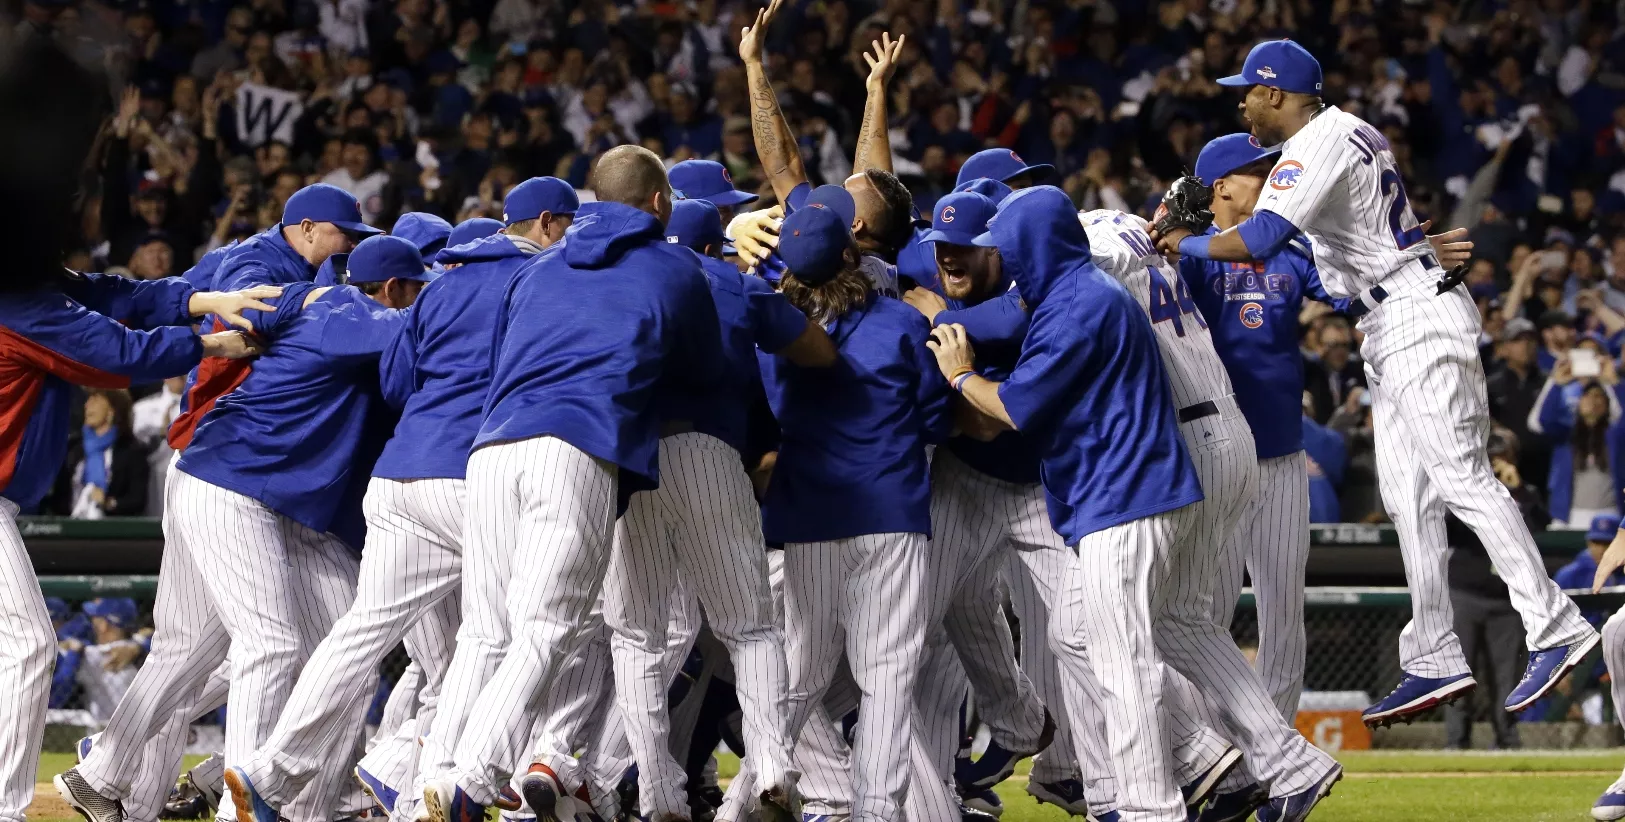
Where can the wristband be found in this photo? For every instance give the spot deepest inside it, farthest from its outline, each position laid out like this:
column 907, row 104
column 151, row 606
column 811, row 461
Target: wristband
column 959, row 380
column 1194, row 246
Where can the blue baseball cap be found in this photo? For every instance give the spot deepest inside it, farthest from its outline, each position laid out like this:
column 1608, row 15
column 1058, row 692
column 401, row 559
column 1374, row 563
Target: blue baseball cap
column 918, row 262
column 468, row 231
column 813, row 242
column 959, row 218
column 708, row 180
column 529, row 199
column 1603, row 528
column 1000, row 164
column 1221, row 157
column 377, row 259
column 323, row 203
column 57, row 607
column 832, row 197
column 426, row 231
column 120, row 611
column 1281, row 64
column 696, row 224
column 991, row 189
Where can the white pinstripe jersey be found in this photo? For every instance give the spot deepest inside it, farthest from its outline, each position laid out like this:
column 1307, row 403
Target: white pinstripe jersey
column 1121, row 247
column 1337, row 183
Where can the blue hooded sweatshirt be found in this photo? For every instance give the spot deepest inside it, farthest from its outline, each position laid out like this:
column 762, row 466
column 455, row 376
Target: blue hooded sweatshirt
column 292, row 434
column 439, row 369
column 852, row 458
column 589, row 329
column 1089, row 390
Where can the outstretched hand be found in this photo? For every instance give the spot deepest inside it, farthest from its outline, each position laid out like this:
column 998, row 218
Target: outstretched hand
column 230, row 305
column 883, row 62
column 753, row 38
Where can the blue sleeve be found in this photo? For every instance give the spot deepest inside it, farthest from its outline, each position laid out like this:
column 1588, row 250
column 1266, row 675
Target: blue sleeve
column 775, row 322
column 1045, row 379
column 361, row 329
column 397, row 369
column 1446, row 104
column 81, row 346
column 1265, row 234
column 932, row 390
column 798, row 196
column 141, row 303
column 999, row 320
column 62, row 679
column 1556, row 418
column 1337, row 457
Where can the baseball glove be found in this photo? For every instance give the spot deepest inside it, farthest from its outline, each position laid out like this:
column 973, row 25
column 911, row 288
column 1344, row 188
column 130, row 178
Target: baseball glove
column 1188, row 204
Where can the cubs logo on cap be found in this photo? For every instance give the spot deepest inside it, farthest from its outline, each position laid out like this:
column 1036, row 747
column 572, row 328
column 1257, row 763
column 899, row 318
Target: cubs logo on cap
column 1252, row 315
column 947, row 214
column 1286, row 175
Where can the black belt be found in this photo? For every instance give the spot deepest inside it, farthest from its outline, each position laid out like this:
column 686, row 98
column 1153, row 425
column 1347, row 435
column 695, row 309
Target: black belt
column 1198, row 411
column 1378, row 293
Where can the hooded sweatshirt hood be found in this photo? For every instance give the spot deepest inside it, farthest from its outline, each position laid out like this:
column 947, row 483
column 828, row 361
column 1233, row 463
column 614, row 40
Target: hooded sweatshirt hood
column 494, row 247
column 603, row 232
column 1040, row 240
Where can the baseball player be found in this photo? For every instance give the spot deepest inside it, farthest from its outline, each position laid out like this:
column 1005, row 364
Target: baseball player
column 270, row 466
column 709, row 180
column 703, row 521
column 437, row 371
column 848, row 496
column 1611, row 805
column 1336, row 182
column 67, row 330
column 108, row 664
column 570, row 428
column 472, row 229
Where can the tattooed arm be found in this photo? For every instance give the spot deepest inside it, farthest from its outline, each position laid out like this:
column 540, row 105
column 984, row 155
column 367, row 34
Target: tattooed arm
column 874, row 141
column 775, row 145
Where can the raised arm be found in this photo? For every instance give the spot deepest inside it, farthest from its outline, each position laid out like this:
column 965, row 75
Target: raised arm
column 874, row 140
column 775, row 145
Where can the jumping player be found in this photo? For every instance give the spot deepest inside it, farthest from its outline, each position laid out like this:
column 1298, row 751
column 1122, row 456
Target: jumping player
column 1336, row 182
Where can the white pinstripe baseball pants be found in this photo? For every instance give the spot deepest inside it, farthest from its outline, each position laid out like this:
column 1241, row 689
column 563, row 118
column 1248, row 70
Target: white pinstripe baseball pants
column 271, row 583
column 541, row 515
column 161, row 756
column 703, row 523
column 27, row 655
column 409, row 577
column 1431, row 416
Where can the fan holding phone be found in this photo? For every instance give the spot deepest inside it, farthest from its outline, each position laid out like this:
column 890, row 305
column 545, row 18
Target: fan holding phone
column 1578, row 412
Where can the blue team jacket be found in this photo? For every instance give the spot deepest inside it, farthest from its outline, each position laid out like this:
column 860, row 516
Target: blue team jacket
column 588, row 330
column 69, row 333
column 1089, row 389
column 439, row 369
column 1252, row 312
column 1555, row 416
column 292, row 434
column 852, row 456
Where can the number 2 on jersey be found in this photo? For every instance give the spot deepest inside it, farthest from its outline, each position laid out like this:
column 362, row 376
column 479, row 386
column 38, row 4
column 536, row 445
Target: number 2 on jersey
column 1398, row 210
column 1168, row 303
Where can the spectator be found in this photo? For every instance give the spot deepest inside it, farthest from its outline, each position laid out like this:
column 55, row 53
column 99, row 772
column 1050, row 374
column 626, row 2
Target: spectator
column 1334, row 371
column 1581, row 482
column 1360, row 500
column 106, row 472
column 1327, row 458
column 108, row 667
column 1514, row 383
column 1490, row 629
column 150, row 419
column 1556, row 337
column 358, row 174
column 1581, row 571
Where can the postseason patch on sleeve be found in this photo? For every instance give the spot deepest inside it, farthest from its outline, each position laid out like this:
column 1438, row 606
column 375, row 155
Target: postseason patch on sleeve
column 1286, row 174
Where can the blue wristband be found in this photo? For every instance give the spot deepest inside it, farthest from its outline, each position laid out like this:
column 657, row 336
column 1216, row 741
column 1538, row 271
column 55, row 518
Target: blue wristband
column 959, row 381
column 1194, row 246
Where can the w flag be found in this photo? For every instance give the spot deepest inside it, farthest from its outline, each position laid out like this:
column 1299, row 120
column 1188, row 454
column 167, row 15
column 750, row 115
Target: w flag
column 265, row 114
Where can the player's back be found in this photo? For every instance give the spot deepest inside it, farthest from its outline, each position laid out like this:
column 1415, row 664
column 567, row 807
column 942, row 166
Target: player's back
column 1337, row 181
column 588, row 331
column 439, row 370
column 1120, row 246
column 852, row 456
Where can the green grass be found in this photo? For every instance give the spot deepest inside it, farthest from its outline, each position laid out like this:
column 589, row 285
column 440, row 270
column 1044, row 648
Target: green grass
column 1380, row 787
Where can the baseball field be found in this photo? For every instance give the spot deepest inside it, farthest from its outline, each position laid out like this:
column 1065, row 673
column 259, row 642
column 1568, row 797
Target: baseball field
column 1528, row 786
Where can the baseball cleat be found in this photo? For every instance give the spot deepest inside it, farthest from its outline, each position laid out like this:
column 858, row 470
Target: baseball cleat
column 382, row 795
column 1415, row 695
column 986, row 800
column 1234, row 806
column 1297, row 807
column 443, row 801
column 1611, row 805
column 251, row 807
column 1066, row 794
column 542, row 789
column 780, row 804
column 1202, row 787
column 1546, row 669
column 91, row 805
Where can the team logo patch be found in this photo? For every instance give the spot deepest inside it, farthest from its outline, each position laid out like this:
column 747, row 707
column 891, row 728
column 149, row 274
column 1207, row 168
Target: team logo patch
column 948, row 214
column 1017, row 158
column 1252, row 315
column 726, row 177
column 1253, row 141
column 1266, row 72
column 1286, row 175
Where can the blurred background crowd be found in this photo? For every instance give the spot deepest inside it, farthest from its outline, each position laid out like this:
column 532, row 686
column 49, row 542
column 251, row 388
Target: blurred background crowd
column 1506, row 116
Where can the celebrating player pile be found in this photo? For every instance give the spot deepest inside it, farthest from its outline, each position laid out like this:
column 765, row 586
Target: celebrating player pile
column 541, row 435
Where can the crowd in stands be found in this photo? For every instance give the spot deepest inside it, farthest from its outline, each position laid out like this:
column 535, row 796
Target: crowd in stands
column 1506, row 117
